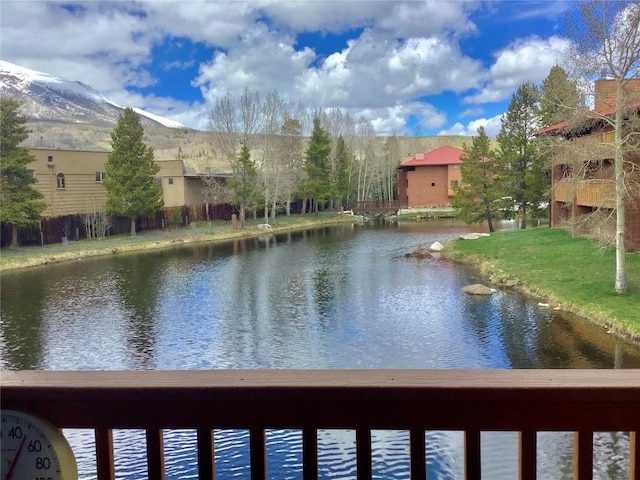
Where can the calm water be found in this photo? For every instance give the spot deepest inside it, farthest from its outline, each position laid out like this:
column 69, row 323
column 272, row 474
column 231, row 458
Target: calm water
column 344, row 297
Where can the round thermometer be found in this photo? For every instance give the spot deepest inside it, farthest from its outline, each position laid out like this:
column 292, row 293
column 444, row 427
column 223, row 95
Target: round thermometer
column 33, row 448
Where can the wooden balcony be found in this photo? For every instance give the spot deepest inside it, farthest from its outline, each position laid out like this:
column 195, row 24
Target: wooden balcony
column 588, row 193
column 582, row 149
column 526, row 401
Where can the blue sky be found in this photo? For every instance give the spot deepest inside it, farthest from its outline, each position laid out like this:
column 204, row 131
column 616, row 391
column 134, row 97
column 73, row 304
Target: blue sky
column 433, row 67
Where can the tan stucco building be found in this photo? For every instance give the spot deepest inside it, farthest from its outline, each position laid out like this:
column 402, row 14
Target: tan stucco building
column 71, row 181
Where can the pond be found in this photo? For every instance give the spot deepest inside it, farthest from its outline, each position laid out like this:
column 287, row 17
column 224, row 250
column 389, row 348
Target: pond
column 335, row 297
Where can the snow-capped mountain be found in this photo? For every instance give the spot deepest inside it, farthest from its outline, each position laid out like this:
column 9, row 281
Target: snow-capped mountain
column 48, row 98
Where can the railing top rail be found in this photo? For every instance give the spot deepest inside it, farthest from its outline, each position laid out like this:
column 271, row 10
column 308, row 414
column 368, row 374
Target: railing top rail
column 479, row 382
column 386, row 399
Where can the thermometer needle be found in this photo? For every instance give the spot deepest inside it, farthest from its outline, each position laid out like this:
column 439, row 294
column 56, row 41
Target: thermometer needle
column 12, row 468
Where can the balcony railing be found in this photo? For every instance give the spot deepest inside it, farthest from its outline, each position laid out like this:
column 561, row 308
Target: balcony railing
column 526, row 401
column 587, row 148
column 588, row 193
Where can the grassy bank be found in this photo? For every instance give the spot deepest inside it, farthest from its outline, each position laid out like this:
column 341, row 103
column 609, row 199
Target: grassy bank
column 25, row 257
column 573, row 274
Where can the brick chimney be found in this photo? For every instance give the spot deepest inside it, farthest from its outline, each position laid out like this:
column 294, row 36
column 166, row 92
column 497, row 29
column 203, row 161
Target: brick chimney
column 605, row 98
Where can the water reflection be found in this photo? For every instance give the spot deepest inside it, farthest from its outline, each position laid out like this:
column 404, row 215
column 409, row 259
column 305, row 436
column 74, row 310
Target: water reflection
column 21, row 322
column 137, row 287
column 344, row 297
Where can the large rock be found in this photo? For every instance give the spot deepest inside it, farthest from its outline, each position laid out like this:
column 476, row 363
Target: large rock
column 477, row 289
column 473, row 236
column 436, row 247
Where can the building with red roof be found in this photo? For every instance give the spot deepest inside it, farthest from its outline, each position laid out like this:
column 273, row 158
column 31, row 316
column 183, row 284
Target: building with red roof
column 427, row 179
column 583, row 168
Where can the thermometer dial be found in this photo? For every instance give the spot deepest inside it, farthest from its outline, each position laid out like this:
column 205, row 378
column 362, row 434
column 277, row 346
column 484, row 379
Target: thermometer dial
column 33, row 448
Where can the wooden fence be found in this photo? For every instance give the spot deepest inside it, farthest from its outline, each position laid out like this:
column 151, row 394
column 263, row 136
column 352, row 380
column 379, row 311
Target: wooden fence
column 72, row 227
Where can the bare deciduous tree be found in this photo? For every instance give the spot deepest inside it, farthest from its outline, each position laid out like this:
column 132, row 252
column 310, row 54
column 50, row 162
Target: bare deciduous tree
column 235, row 124
column 96, row 223
column 364, row 154
column 224, row 128
column 271, row 164
column 290, row 150
column 215, row 191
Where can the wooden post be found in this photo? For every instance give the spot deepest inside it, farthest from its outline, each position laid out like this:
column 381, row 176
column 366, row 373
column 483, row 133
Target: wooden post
column 104, row 454
column 583, row 455
column 472, row 462
column 527, row 455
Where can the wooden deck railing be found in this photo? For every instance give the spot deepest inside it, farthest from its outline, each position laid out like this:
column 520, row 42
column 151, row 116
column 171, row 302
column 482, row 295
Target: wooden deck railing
column 589, row 193
column 586, row 148
column 526, row 401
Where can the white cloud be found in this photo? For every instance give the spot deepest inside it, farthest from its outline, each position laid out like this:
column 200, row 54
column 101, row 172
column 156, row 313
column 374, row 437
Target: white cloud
column 427, row 18
column 325, row 16
column 392, row 120
column 262, row 60
column 491, row 126
column 527, row 60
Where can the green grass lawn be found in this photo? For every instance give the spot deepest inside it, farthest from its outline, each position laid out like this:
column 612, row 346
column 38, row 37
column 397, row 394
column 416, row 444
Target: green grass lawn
column 574, row 273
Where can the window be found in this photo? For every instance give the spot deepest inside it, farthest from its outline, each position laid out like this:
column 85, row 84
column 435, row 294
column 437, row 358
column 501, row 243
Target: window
column 60, row 180
column 99, row 177
column 32, row 173
column 170, row 180
column 49, row 158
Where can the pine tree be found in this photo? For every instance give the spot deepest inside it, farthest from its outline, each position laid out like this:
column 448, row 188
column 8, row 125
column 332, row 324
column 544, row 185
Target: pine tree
column 559, row 97
column 20, row 203
column 518, row 153
column 129, row 172
column 244, row 182
column 478, row 198
column 560, row 100
column 317, row 185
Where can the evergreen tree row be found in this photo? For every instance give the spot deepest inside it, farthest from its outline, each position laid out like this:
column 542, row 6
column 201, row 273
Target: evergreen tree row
column 516, row 176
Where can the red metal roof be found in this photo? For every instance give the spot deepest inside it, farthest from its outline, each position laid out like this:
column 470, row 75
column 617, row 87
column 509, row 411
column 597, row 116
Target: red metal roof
column 590, row 115
column 444, row 155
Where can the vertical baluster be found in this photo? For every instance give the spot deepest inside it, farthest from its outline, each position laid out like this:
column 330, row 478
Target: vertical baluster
column 363, row 454
column 472, row 467
column 155, row 454
column 206, row 466
column 104, row 454
column 634, row 456
column 583, row 455
column 310, row 454
column 257, row 454
column 527, row 455
column 417, row 452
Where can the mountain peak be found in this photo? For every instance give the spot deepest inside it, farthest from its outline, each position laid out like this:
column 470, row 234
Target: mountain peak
column 45, row 97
